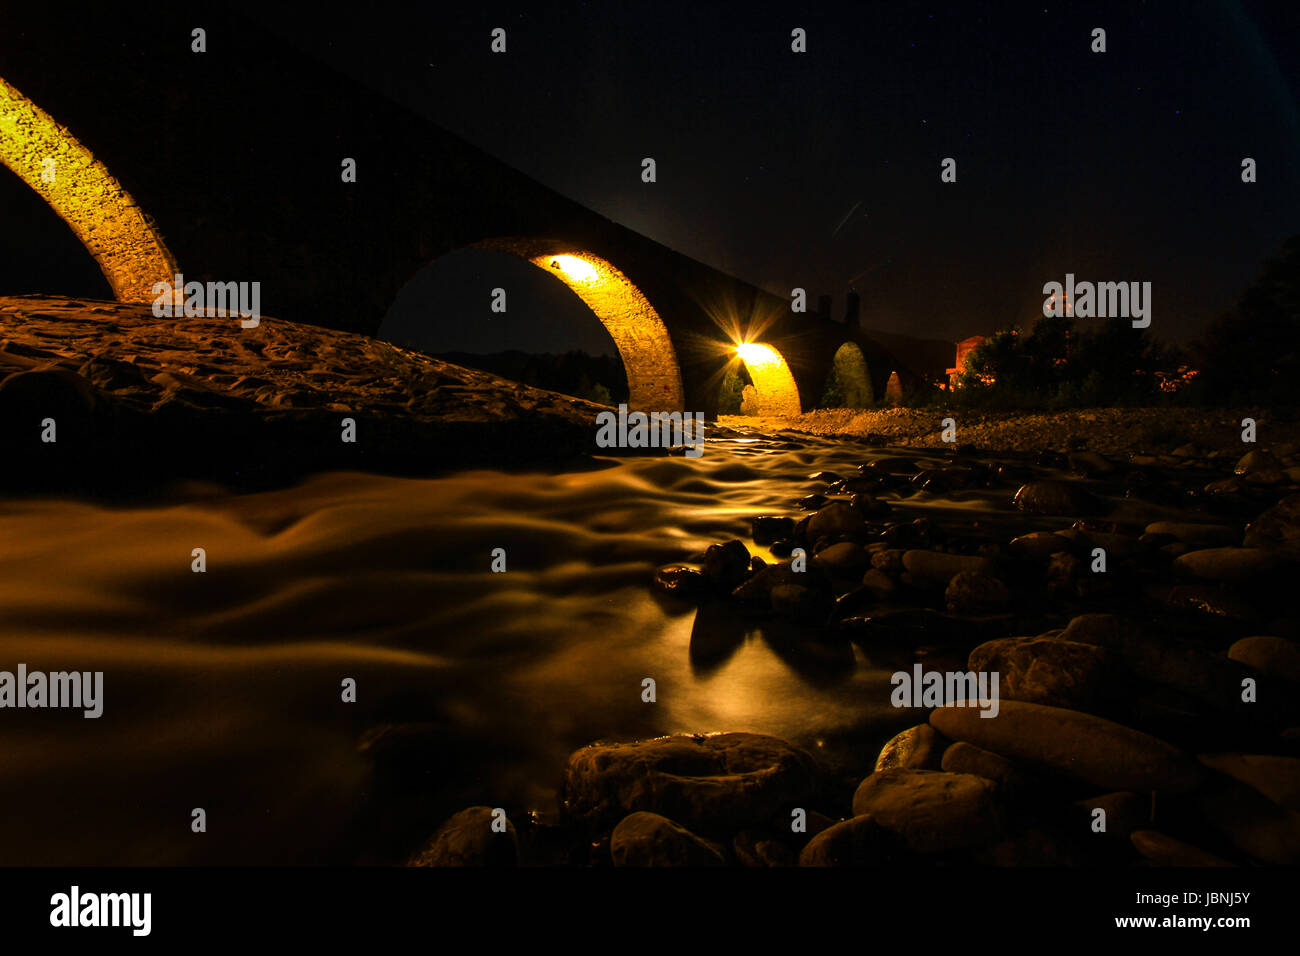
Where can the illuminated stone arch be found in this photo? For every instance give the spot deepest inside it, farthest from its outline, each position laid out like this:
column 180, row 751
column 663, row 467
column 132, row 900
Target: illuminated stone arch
column 850, row 374
column 778, row 394
column 654, row 379
column 114, row 230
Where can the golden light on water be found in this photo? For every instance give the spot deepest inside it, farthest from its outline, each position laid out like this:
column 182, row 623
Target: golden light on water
column 114, row 230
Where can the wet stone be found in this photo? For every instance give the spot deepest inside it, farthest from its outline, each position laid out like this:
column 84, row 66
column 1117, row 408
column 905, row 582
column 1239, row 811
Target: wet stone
column 648, row 839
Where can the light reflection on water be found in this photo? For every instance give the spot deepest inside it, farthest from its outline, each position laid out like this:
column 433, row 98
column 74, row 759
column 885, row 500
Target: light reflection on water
column 222, row 689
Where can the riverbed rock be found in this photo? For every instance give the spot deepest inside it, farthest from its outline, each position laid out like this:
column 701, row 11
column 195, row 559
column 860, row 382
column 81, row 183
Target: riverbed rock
column 1056, row 498
column 467, row 839
column 889, row 560
column 1089, row 463
column 1226, row 564
column 724, row 782
column 1277, row 528
column 768, row 528
column 756, row 592
column 1164, row 850
column 800, row 603
column 1200, row 535
column 836, row 518
column 681, row 581
column 1277, row 778
column 940, row 567
column 1050, row 671
column 1255, row 461
column 648, row 839
column 1089, row 748
column 845, row 560
column 759, row 848
column 1012, row 780
column 1038, row 545
column 1125, row 813
column 1253, row 823
column 1274, row 656
column 929, row 810
column 857, row 841
column 917, row 748
column 970, row 592
column 1209, row 677
column 880, row 584
column 726, row 565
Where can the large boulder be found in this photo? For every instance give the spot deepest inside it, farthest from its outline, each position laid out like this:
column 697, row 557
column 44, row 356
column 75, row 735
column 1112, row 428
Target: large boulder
column 720, row 783
column 1096, row 751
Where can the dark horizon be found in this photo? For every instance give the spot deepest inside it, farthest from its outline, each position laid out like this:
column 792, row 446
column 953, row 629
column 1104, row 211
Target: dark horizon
column 1116, row 166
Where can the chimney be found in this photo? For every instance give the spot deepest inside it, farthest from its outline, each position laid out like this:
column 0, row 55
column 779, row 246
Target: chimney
column 852, row 306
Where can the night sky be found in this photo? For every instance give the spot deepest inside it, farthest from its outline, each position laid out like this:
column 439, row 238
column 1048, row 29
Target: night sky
column 821, row 170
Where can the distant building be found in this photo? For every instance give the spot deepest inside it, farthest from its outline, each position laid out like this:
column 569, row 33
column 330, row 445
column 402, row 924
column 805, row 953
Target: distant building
column 964, row 348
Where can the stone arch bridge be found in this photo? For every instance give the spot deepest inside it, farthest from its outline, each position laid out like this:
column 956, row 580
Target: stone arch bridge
column 225, row 166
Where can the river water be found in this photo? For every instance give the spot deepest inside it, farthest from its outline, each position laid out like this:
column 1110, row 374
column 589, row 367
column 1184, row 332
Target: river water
column 223, row 689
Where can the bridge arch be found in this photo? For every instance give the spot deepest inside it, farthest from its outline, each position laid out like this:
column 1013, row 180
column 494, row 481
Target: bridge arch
column 98, row 210
column 654, row 377
column 850, row 379
column 778, row 393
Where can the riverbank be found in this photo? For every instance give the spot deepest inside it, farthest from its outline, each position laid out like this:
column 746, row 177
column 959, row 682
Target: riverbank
column 1109, row 431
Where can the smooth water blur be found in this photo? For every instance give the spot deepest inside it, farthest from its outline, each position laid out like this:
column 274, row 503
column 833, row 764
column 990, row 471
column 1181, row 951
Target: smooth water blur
column 223, row 689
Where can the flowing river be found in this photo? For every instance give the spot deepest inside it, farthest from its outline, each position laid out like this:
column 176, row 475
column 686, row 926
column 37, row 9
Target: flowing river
column 223, row 690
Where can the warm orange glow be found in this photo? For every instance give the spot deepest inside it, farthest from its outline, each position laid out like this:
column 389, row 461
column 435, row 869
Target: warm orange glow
column 80, row 189
column 654, row 378
column 574, row 268
column 777, row 392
